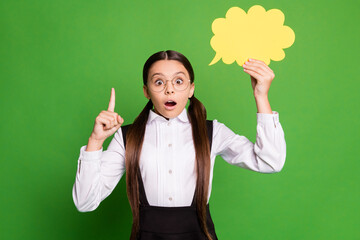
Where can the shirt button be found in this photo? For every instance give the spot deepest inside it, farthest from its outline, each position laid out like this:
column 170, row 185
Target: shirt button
column 170, row 171
column 170, row 145
column 170, row 198
column 169, row 123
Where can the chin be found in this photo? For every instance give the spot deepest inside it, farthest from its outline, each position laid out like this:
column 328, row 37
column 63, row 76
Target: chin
column 170, row 114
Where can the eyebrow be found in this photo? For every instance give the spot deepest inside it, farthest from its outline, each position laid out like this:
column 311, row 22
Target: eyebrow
column 163, row 74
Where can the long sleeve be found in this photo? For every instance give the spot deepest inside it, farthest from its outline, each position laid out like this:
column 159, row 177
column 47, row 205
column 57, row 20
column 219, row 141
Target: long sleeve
column 268, row 153
column 98, row 172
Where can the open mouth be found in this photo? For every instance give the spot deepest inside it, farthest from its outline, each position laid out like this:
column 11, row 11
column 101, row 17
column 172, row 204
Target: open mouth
column 170, row 103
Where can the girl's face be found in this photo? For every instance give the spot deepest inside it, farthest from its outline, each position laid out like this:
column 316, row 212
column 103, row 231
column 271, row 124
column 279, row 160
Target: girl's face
column 161, row 71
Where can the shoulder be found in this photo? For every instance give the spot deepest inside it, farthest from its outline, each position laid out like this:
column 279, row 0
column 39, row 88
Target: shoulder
column 218, row 129
column 121, row 132
column 218, row 126
column 221, row 131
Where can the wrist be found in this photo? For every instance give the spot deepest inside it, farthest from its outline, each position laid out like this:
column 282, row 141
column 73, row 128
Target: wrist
column 261, row 96
column 94, row 144
column 263, row 104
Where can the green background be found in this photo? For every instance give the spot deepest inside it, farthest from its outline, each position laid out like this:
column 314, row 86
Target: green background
column 59, row 60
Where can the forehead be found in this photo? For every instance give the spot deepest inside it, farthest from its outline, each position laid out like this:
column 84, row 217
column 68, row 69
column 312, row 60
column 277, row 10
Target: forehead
column 167, row 68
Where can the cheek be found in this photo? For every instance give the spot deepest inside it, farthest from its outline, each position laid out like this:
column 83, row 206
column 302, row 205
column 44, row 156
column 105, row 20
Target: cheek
column 184, row 99
column 155, row 99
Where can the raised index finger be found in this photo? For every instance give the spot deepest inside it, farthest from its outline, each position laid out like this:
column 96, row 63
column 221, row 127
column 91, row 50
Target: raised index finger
column 112, row 101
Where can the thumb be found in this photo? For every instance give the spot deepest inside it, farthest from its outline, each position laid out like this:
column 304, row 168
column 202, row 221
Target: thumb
column 120, row 120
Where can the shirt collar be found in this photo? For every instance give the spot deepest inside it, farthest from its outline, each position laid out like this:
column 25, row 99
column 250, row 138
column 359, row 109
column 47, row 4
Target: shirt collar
column 183, row 117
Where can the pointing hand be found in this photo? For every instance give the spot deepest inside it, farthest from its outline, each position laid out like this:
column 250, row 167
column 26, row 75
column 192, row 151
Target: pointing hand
column 107, row 122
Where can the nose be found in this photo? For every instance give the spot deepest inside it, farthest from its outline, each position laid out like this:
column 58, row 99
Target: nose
column 169, row 88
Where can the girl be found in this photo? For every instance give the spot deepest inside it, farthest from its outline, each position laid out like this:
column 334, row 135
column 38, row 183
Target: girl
column 168, row 152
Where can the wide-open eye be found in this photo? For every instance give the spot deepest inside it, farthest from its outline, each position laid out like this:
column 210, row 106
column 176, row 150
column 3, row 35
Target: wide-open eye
column 179, row 81
column 158, row 82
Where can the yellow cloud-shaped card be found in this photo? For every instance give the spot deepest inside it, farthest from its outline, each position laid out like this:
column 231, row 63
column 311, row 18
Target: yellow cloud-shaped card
column 259, row 34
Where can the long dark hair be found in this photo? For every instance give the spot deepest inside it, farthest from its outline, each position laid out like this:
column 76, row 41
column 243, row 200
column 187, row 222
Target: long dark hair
column 135, row 138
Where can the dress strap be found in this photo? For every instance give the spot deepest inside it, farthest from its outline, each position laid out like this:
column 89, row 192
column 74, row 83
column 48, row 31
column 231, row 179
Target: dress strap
column 142, row 195
column 124, row 130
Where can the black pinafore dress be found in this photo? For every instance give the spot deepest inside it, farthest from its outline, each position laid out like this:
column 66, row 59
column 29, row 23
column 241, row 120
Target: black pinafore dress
column 171, row 223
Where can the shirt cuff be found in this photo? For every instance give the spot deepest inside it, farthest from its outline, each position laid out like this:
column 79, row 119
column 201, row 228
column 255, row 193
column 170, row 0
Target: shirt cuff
column 90, row 156
column 268, row 117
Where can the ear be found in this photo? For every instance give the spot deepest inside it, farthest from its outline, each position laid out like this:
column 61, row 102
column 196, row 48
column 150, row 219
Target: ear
column 192, row 89
column 146, row 93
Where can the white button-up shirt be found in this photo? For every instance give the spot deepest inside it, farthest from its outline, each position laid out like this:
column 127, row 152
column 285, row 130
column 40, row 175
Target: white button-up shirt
column 167, row 160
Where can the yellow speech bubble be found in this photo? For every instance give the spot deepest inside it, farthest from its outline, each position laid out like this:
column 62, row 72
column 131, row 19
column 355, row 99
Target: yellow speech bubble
column 259, row 34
